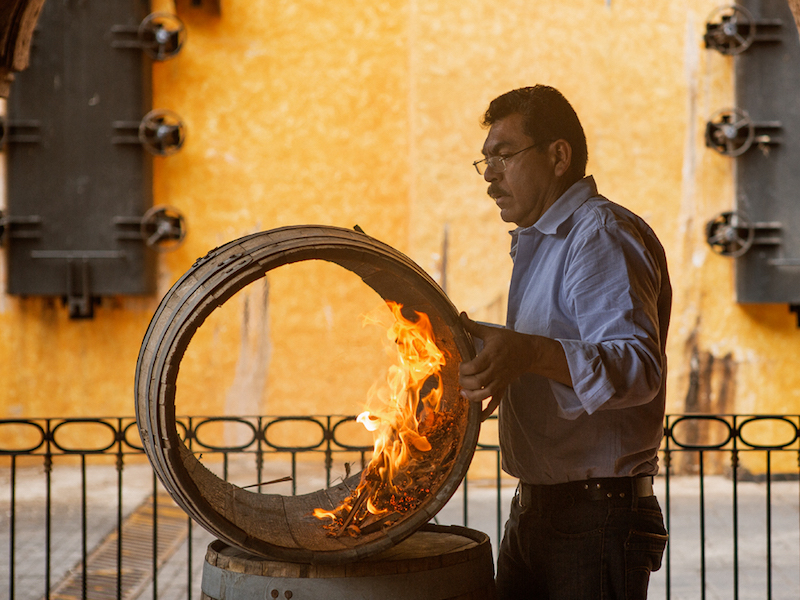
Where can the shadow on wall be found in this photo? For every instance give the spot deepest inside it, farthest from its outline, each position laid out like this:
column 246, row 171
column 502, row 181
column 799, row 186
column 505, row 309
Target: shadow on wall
column 711, row 391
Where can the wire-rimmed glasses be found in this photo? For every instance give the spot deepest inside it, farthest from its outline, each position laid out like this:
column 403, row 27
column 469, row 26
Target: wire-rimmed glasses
column 498, row 163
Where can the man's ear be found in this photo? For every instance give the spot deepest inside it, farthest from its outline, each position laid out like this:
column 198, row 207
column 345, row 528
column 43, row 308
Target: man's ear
column 561, row 155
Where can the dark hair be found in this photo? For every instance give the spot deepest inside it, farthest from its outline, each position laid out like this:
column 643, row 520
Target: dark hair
column 548, row 116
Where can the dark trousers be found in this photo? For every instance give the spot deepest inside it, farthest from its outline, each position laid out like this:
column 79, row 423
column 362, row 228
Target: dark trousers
column 579, row 549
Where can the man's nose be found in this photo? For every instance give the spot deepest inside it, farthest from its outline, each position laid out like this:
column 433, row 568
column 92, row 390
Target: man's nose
column 490, row 175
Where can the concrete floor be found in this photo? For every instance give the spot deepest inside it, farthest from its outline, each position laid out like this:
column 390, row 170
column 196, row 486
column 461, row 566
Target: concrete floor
column 686, row 553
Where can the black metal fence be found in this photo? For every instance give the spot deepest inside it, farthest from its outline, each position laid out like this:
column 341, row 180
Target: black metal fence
column 84, row 517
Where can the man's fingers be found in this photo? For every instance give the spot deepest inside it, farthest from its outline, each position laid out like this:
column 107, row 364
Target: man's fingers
column 476, row 395
column 479, row 373
column 477, row 365
column 480, row 378
column 471, row 382
column 471, row 326
column 475, row 391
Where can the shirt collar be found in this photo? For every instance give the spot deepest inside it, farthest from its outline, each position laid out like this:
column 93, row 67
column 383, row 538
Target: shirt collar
column 578, row 193
column 566, row 204
column 548, row 224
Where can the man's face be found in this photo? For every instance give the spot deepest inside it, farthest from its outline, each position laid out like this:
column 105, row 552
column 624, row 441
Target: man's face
column 528, row 186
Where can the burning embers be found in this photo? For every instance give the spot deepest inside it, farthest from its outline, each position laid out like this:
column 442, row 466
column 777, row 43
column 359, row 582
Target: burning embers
column 415, row 439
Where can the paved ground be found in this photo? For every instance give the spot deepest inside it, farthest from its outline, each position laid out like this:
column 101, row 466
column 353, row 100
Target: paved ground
column 686, row 552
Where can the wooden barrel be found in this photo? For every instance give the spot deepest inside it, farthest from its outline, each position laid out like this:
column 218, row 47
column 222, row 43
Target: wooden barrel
column 272, row 525
column 434, row 563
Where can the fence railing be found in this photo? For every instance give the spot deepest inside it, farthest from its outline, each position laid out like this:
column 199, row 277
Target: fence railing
column 83, row 515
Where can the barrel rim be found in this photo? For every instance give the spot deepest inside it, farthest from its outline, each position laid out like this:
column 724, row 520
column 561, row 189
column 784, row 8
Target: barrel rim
column 482, row 540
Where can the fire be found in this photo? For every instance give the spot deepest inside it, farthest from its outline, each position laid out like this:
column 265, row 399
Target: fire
column 402, row 414
column 369, row 422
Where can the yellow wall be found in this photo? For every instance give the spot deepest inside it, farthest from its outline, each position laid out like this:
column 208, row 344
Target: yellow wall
column 344, row 113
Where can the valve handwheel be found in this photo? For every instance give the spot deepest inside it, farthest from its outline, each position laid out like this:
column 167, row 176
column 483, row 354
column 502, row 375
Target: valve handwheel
column 730, row 131
column 729, row 234
column 162, row 132
column 162, row 35
column 163, row 228
column 730, row 29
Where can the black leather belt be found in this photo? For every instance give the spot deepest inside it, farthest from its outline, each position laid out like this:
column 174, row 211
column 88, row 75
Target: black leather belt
column 589, row 490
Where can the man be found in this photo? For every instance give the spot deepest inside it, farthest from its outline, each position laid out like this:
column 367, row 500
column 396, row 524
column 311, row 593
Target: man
column 580, row 365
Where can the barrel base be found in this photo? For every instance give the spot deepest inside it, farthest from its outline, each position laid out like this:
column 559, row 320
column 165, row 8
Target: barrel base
column 434, row 563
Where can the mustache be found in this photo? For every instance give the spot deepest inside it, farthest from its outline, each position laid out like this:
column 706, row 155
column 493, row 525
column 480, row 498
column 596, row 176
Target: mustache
column 495, row 190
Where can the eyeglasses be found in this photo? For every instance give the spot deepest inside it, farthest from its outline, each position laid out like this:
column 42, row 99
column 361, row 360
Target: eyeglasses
column 498, row 163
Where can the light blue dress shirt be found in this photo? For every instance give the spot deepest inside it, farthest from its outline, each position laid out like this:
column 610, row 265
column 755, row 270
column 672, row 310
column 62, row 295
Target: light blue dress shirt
column 592, row 275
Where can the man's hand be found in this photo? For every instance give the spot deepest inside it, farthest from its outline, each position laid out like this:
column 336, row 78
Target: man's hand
column 506, row 355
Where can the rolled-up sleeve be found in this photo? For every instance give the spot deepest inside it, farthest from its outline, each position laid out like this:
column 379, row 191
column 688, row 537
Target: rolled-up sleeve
column 611, row 285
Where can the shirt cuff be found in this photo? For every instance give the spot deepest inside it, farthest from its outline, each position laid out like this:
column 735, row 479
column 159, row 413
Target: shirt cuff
column 590, row 384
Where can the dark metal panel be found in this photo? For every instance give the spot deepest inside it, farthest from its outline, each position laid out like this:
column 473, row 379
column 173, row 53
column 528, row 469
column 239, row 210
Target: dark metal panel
column 67, row 174
column 768, row 174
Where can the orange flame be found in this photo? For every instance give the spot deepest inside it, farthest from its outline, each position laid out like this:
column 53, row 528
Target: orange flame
column 324, row 514
column 399, row 413
column 403, row 407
